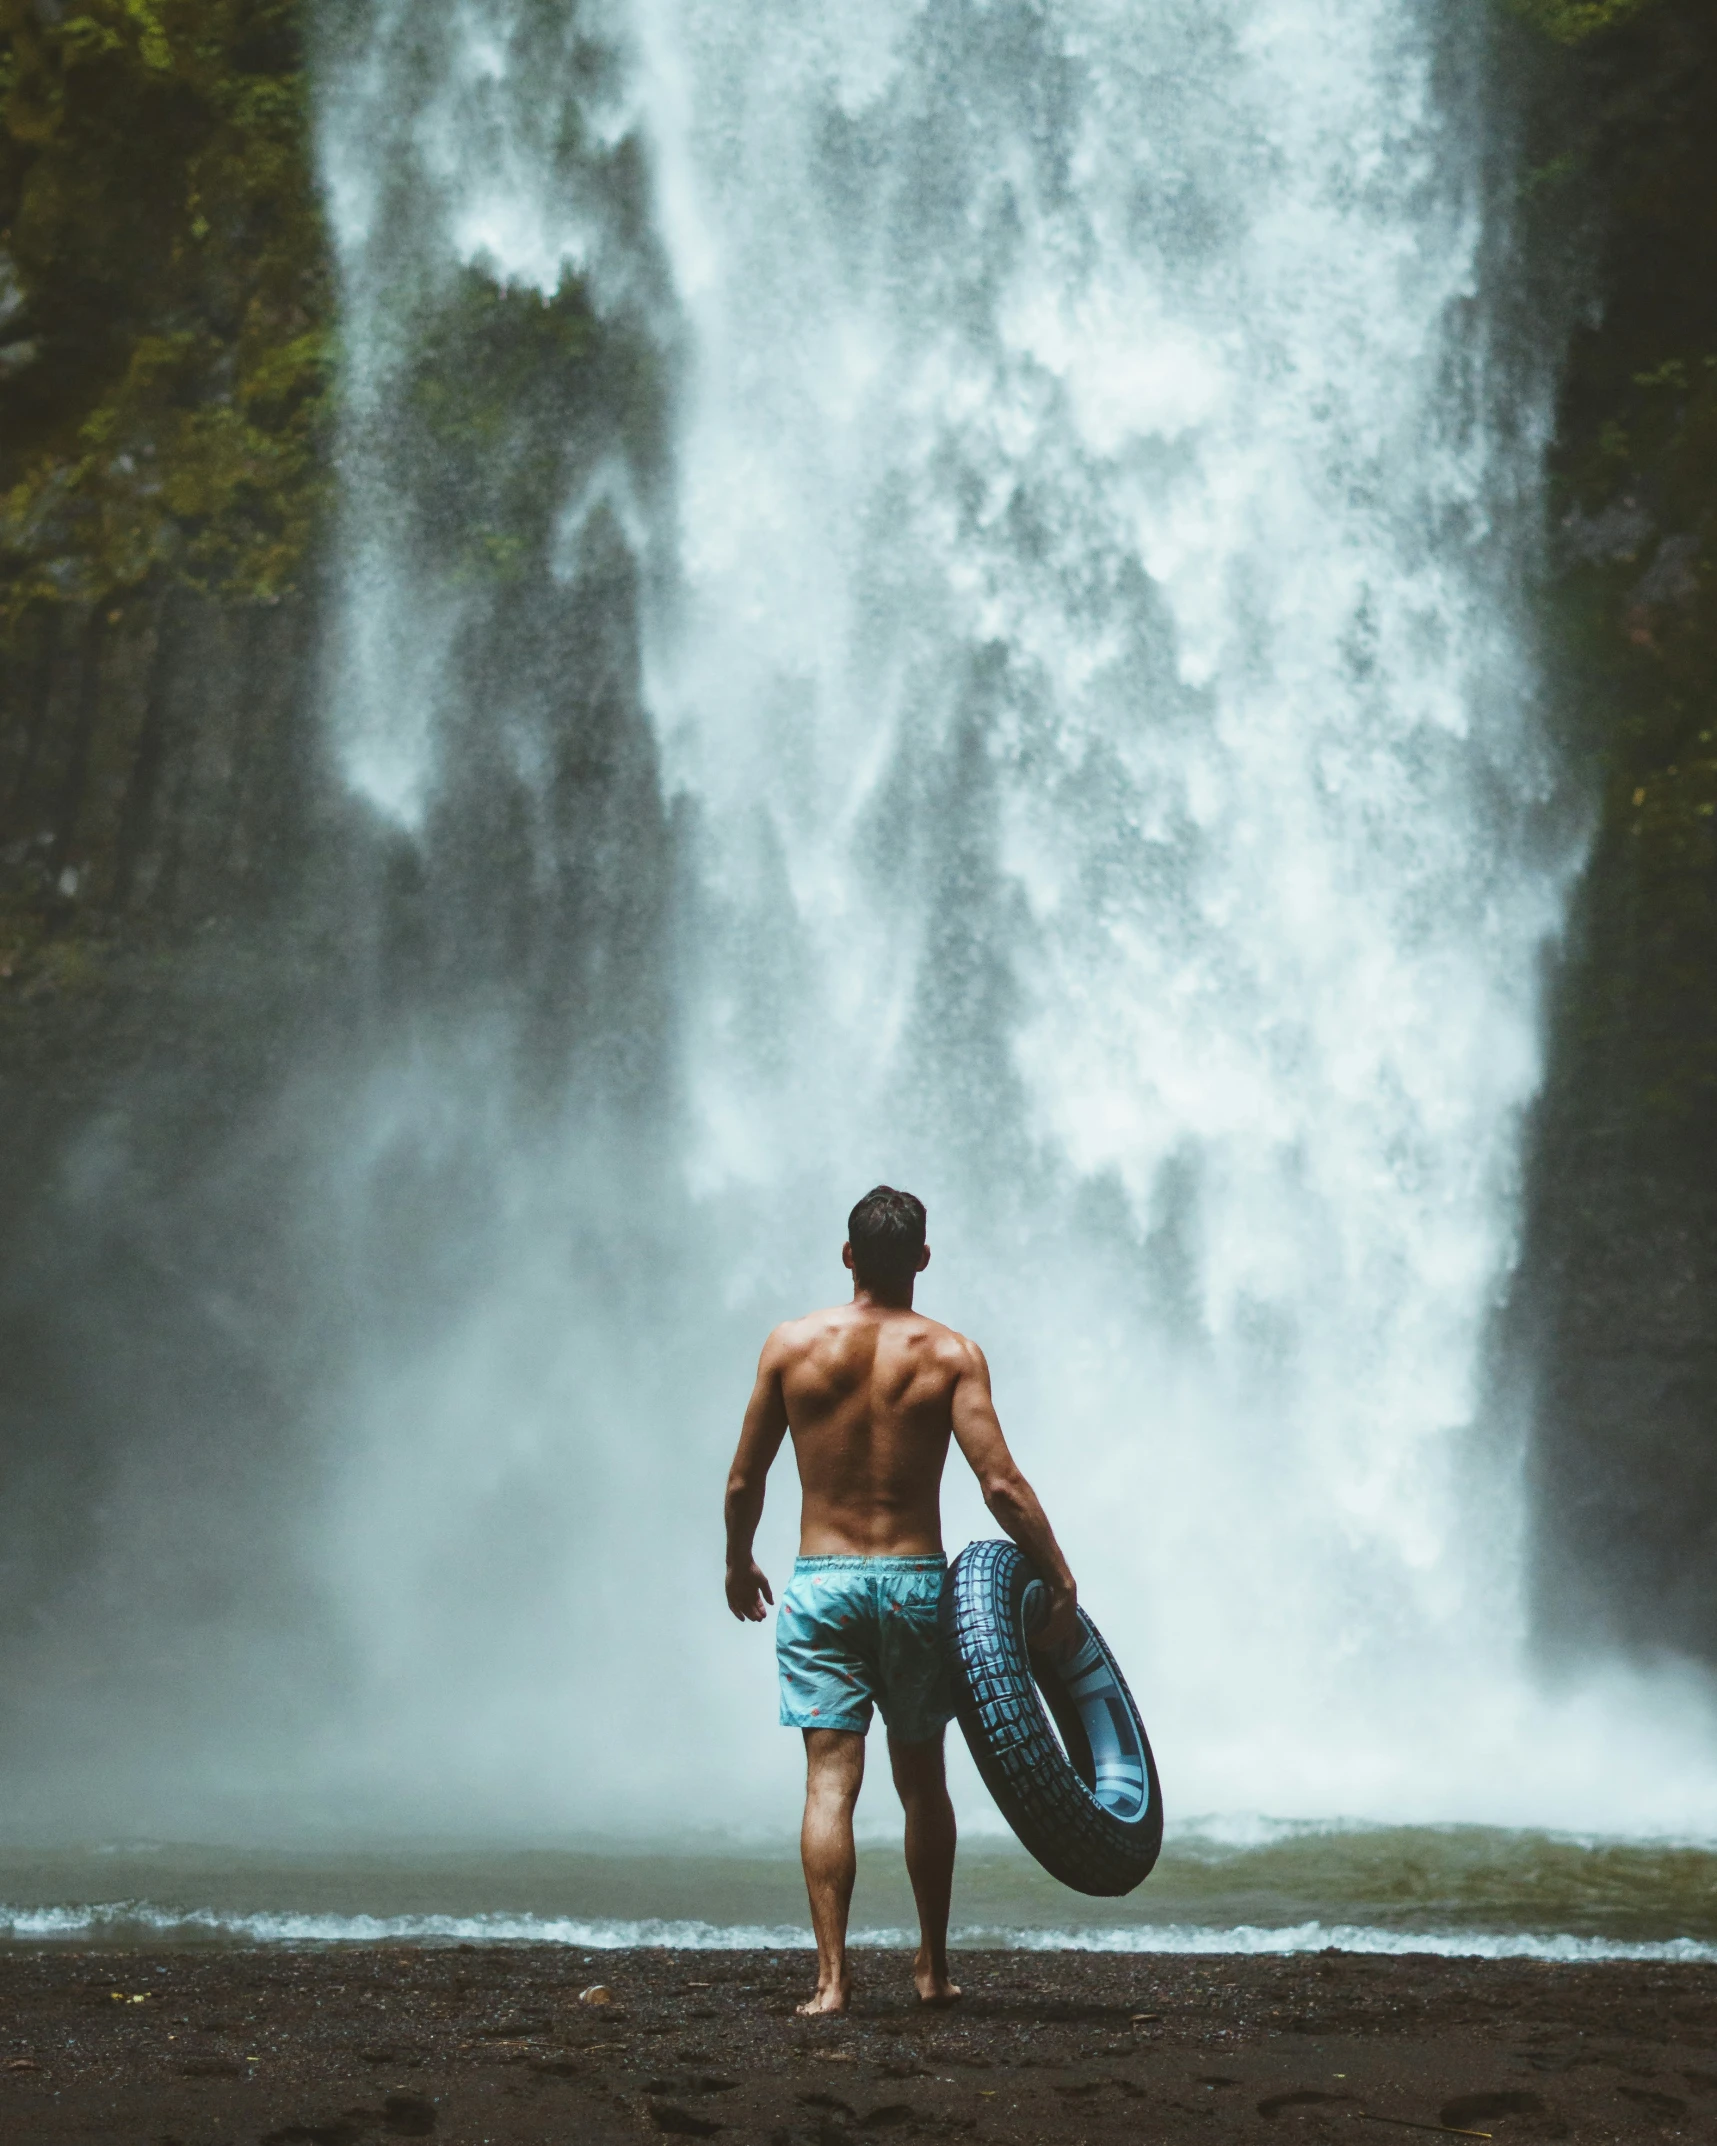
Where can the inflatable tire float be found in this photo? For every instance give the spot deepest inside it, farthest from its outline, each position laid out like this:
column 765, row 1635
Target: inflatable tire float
column 1088, row 1805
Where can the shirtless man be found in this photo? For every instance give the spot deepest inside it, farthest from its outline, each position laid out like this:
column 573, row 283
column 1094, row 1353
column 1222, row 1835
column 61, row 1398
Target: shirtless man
column 871, row 1392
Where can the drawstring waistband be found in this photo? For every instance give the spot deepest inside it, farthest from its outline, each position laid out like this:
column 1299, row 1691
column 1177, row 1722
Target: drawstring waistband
column 938, row 1563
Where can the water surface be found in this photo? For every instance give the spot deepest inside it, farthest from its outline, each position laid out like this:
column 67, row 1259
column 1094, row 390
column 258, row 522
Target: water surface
column 1465, row 1889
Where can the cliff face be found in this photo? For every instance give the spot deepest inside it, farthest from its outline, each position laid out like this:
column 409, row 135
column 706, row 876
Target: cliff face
column 1621, row 1277
column 164, row 305
column 185, row 896
column 206, row 947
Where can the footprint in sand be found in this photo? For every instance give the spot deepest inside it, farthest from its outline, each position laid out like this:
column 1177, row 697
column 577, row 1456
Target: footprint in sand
column 1468, row 2109
column 1665, row 2105
column 681, row 2123
column 1300, row 2097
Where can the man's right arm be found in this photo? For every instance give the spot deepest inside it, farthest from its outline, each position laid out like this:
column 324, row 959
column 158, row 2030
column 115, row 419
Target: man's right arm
column 760, row 1439
column 978, row 1433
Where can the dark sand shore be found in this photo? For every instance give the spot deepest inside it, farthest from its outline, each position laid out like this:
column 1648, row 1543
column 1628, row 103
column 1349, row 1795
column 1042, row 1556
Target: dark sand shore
column 339, row 2046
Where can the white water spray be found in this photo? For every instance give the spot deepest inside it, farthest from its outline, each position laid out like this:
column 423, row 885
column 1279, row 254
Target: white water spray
column 1083, row 646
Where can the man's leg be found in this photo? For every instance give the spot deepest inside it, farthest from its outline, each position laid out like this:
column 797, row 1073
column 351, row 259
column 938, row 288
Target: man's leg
column 834, row 1773
column 930, row 1840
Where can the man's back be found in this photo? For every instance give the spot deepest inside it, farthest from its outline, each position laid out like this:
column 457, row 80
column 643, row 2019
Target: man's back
column 869, row 1393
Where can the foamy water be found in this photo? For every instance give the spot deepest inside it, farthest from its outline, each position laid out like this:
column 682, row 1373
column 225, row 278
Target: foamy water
column 1279, row 1889
column 133, row 1922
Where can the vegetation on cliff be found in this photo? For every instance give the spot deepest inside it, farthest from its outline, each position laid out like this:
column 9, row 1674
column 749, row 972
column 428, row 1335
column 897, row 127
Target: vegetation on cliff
column 164, row 300
column 165, row 306
column 1634, row 511
column 1621, row 1276
column 167, row 441
column 1572, row 22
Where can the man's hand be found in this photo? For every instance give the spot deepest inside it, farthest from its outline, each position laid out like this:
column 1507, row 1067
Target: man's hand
column 747, row 1591
column 1060, row 1629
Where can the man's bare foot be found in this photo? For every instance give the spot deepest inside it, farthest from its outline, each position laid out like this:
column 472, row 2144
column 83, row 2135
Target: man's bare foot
column 823, row 2002
column 932, row 1984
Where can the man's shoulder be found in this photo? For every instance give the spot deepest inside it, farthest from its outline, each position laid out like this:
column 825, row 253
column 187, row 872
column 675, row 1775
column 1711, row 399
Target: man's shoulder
column 793, row 1336
column 818, row 1329
column 946, row 1343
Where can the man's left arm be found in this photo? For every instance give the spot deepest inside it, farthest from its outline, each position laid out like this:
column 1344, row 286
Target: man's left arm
column 759, row 1441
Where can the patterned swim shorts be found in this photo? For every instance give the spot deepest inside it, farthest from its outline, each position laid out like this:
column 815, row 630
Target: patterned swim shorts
column 856, row 1631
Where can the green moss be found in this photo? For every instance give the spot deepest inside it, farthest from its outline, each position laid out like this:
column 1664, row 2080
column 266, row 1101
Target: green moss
column 158, row 211
column 42, row 955
column 495, row 372
column 1571, row 22
column 1634, row 504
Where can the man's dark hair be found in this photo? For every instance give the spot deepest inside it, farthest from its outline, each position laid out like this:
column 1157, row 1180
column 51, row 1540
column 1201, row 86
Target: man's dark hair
column 886, row 1232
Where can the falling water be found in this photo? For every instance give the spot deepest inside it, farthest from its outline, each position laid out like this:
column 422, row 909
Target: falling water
column 1064, row 617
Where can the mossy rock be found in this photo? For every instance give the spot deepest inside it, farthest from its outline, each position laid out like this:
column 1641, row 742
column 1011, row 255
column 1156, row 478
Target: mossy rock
column 165, row 350
column 1572, row 22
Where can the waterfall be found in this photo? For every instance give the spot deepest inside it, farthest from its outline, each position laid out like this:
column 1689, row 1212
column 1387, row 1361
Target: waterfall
column 1044, row 587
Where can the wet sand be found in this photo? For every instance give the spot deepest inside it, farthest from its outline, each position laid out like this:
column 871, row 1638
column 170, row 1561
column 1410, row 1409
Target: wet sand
column 337, row 2046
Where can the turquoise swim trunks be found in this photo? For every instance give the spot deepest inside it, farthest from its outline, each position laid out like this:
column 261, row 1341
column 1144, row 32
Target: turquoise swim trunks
column 856, row 1631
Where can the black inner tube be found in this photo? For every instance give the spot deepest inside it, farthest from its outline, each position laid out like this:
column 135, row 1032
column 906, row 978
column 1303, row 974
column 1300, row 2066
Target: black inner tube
column 1091, row 1714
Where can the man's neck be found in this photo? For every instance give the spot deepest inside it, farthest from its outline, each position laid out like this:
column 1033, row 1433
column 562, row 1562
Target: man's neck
column 884, row 1299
